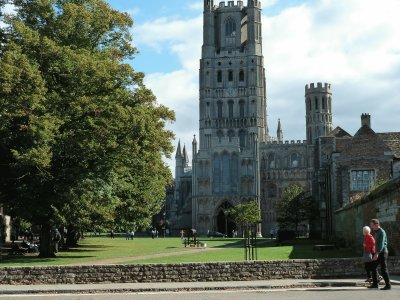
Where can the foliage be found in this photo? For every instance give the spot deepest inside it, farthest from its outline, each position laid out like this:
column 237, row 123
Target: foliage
column 295, row 207
column 81, row 137
column 246, row 213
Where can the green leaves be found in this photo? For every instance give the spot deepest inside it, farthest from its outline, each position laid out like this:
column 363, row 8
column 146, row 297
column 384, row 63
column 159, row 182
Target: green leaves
column 81, row 137
column 246, row 214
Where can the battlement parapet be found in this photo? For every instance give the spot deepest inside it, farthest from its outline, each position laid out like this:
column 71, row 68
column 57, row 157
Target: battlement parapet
column 222, row 4
column 318, row 88
column 287, row 142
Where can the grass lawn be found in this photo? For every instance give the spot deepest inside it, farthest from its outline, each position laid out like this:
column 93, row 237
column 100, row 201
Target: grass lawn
column 101, row 248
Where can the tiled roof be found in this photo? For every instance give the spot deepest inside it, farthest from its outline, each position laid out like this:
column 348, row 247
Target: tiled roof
column 339, row 132
column 392, row 140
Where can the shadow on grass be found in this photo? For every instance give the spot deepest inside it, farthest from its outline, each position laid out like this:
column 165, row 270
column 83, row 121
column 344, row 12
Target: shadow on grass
column 303, row 249
column 7, row 259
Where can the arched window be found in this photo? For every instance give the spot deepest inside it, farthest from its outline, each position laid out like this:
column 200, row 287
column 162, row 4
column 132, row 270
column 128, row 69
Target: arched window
column 219, row 109
column 219, row 76
column 294, row 160
column 220, row 135
column 241, row 75
column 230, row 75
column 272, row 190
column 330, row 104
column 241, row 108
column 234, row 172
column 242, row 138
column 231, row 134
column 323, row 102
column 230, row 27
column 216, row 174
column 230, row 108
column 230, row 31
column 316, row 103
column 309, row 103
column 271, row 161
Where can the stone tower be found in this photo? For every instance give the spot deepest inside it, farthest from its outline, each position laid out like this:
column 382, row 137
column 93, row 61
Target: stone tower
column 318, row 100
column 233, row 118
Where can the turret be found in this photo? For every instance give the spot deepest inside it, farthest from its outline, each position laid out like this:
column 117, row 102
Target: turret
column 279, row 133
column 318, row 100
column 185, row 157
column 254, row 41
column 179, row 167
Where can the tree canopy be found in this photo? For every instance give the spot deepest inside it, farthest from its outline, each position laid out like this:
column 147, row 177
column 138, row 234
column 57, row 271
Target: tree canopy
column 81, row 137
column 295, row 207
column 246, row 213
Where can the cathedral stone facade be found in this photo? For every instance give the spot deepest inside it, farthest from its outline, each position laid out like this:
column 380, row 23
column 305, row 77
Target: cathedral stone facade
column 234, row 157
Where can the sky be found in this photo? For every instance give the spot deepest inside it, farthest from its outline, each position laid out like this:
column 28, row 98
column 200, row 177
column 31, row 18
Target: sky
column 352, row 44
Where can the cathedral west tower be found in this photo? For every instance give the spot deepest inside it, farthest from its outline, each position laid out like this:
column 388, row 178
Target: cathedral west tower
column 233, row 118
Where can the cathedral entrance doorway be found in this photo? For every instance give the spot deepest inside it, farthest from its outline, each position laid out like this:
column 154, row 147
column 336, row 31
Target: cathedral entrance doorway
column 225, row 223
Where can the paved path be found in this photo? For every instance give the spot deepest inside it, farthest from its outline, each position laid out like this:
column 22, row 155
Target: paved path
column 127, row 259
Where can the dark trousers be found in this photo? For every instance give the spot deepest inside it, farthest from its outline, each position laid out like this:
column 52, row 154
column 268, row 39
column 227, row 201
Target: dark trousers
column 384, row 271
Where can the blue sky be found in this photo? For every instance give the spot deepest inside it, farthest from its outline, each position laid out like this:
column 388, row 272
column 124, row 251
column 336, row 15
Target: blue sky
column 352, row 44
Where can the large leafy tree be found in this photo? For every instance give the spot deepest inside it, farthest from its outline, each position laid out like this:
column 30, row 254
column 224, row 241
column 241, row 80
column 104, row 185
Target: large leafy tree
column 295, row 207
column 81, row 137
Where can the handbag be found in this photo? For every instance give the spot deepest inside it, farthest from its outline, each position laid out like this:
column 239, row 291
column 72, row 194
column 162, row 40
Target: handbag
column 367, row 257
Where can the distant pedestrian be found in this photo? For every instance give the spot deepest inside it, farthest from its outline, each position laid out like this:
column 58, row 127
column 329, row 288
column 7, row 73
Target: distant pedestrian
column 112, row 234
column 182, row 233
column 380, row 256
column 127, row 235
column 132, row 234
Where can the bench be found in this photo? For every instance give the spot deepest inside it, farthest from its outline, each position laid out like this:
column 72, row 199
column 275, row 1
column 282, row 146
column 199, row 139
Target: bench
column 324, row 247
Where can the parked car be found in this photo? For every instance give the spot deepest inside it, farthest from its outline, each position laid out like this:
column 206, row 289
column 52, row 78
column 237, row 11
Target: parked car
column 216, row 234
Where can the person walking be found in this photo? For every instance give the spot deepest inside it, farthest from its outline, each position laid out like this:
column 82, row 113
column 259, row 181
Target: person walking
column 380, row 256
column 368, row 251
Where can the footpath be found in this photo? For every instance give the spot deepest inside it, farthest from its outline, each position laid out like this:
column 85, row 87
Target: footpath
column 282, row 284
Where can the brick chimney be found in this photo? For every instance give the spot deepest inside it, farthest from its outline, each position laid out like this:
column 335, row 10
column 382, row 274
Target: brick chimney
column 366, row 120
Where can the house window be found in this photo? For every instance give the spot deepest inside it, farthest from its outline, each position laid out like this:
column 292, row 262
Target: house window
column 362, row 180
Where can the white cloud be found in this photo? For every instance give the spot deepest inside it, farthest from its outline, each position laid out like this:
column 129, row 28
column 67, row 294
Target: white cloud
column 352, row 44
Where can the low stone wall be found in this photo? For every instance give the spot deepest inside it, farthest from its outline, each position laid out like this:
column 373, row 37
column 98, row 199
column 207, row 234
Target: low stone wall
column 229, row 271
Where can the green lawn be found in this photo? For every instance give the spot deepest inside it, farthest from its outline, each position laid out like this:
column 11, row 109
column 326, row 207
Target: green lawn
column 101, row 248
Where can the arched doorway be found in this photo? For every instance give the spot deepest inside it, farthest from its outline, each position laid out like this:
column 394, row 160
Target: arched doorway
column 225, row 223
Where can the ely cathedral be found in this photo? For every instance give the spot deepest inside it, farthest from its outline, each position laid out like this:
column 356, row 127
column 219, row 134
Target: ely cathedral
column 236, row 159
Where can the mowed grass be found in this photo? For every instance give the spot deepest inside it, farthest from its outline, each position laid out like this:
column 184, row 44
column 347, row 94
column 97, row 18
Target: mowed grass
column 135, row 251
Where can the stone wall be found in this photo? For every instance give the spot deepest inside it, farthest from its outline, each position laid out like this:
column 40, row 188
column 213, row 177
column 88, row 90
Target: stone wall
column 383, row 204
column 229, row 271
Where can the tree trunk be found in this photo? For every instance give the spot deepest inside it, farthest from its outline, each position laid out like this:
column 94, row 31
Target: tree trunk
column 46, row 247
column 72, row 236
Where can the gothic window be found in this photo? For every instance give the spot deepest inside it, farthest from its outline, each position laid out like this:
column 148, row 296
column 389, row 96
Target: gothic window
column 362, row 180
column 216, row 174
column 219, row 109
column 219, row 76
column 323, row 102
column 230, row 31
column 231, row 134
column 316, row 103
column 225, row 173
column 230, row 108
column 220, row 134
column 241, row 75
column 230, row 75
column 242, row 139
column 271, row 161
column 241, row 108
column 309, row 103
column 294, row 160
